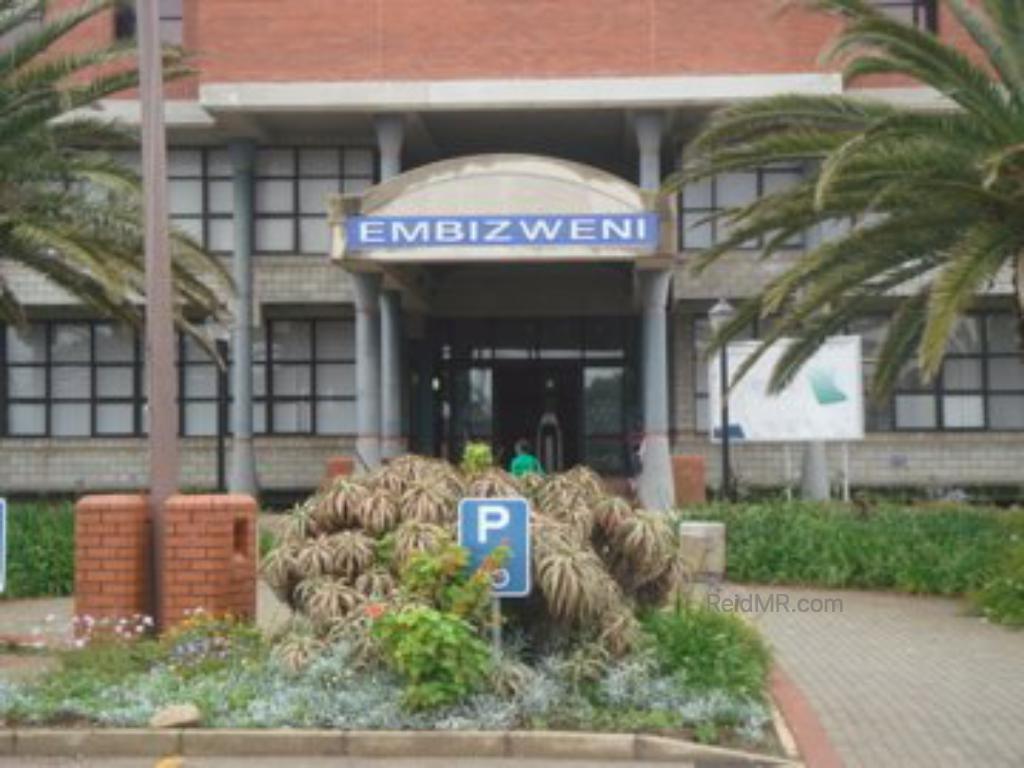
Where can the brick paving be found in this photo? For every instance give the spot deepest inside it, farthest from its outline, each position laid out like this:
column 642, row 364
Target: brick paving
column 899, row 680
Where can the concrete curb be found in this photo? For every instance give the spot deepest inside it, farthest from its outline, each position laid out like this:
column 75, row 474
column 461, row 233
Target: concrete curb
column 551, row 745
column 802, row 722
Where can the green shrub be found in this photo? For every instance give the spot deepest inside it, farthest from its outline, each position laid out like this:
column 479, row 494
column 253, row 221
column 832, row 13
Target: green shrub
column 1002, row 599
column 709, row 650
column 438, row 655
column 40, row 550
column 935, row 549
column 477, row 457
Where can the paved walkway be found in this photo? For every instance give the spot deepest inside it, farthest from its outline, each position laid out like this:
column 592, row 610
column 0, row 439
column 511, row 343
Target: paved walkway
column 315, row 762
column 900, row 681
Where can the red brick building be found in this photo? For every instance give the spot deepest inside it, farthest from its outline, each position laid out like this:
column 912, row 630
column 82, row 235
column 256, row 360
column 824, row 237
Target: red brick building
column 471, row 108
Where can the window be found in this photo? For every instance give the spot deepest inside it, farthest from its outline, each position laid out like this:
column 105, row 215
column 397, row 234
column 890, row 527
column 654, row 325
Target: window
column 919, row 13
column 86, row 378
column 71, row 379
column 172, row 22
column 730, row 190
column 292, row 186
column 980, row 387
column 201, row 198
column 310, row 374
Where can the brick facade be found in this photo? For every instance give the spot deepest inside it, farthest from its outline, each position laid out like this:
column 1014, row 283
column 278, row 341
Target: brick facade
column 210, row 556
column 112, row 566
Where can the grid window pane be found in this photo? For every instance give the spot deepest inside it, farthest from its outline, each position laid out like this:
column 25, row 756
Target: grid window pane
column 313, row 194
column 1003, row 333
column 291, row 418
column 292, row 340
column 28, row 382
column 359, row 162
column 26, row 345
column 115, row 381
column 963, row 411
column 183, row 162
column 1006, row 373
column 336, row 417
column 915, row 412
column 335, row 340
column 275, row 196
column 192, row 227
column 962, row 374
column 292, row 381
column 221, row 197
column 275, row 162
column 336, row 380
column 70, row 343
column 319, row 162
column 1006, row 412
column 222, row 236
column 200, row 380
column 115, row 419
column 70, row 419
column 185, row 196
column 218, row 163
column 315, row 235
column 114, row 343
column 736, row 189
column 24, row 419
column 275, row 235
column 201, row 419
column 70, row 383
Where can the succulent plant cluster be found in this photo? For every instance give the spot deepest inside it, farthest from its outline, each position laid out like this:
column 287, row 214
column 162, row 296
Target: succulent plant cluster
column 596, row 558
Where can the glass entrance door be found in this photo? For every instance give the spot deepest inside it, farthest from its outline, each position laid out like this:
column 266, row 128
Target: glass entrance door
column 563, row 384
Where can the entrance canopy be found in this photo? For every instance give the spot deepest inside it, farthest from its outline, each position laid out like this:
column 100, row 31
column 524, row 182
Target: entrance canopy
column 502, row 208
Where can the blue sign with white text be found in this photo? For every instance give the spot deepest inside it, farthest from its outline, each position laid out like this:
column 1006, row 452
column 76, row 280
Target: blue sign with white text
column 485, row 525
column 614, row 229
column 3, row 545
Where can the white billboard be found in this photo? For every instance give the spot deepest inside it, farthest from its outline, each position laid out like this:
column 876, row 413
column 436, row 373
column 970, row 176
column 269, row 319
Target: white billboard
column 825, row 401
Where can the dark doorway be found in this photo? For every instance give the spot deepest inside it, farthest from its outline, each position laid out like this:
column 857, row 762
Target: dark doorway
column 538, row 403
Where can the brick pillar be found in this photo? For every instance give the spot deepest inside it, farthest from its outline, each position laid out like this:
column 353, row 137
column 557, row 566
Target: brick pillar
column 690, row 478
column 339, row 466
column 210, row 559
column 112, row 542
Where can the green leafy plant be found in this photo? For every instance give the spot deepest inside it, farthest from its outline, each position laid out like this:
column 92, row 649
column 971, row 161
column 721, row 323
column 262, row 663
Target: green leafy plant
column 40, row 550
column 442, row 578
column 1002, row 598
column 939, row 549
column 477, row 457
column 709, row 650
column 438, row 655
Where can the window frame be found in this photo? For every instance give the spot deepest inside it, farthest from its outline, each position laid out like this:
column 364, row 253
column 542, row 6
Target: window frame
column 925, row 12
column 760, row 174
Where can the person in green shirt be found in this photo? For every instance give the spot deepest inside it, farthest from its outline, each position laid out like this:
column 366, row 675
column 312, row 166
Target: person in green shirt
column 524, row 462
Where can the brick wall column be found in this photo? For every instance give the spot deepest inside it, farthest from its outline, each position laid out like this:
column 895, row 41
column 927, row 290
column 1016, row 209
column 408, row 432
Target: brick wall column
column 112, row 544
column 210, row 560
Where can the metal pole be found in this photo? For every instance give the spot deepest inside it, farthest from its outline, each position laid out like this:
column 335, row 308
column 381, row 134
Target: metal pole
column 162, row 382
column 723, row 359
column 222, row 415
column 496, row 627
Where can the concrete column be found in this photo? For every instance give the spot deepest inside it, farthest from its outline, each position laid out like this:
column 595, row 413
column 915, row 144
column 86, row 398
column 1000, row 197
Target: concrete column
column 367, row 297
column 390, row 135
column 392, row 441
column 649, row 129
column 242, row 477
column 655, row 486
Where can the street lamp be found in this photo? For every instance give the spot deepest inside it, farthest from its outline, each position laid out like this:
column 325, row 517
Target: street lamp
column 719, row 316
column 221, row 334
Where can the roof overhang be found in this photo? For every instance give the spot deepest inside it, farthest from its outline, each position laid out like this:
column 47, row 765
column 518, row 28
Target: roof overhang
column 503, row 208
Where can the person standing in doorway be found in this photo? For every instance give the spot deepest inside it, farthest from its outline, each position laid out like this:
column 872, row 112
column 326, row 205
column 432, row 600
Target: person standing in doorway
column 524, row 462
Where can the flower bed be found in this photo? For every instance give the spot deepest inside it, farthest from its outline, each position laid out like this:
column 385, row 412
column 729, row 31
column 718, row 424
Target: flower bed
column 391, row 627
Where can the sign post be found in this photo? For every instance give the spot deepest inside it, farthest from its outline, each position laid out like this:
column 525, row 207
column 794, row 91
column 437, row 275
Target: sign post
column 485, row 525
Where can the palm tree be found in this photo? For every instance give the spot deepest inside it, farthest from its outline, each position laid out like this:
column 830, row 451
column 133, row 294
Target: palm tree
column 68, row 209
column 933, row 201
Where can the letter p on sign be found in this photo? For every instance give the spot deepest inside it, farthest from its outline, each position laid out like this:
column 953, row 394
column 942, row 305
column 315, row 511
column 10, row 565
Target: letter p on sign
column 485, row 525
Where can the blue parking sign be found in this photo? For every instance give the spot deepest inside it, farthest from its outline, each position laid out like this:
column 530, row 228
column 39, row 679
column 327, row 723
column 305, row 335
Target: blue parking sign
column 485, row 525
column 3, row 545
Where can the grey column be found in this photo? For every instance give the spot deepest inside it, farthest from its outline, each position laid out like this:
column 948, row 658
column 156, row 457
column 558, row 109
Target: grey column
column 655, row 487
column 367, row 298
column 392, row 441
column 390, row 134
column 242, row 477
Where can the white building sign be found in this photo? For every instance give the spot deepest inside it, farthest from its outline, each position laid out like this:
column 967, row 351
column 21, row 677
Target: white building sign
column 825, row 401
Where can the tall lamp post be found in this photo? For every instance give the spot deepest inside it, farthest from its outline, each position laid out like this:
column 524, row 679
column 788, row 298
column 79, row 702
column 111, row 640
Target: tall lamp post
column 161, row 385
column 718, row 317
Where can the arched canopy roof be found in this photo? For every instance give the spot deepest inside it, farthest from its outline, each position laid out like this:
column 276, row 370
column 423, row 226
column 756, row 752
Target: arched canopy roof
column 502, row 207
